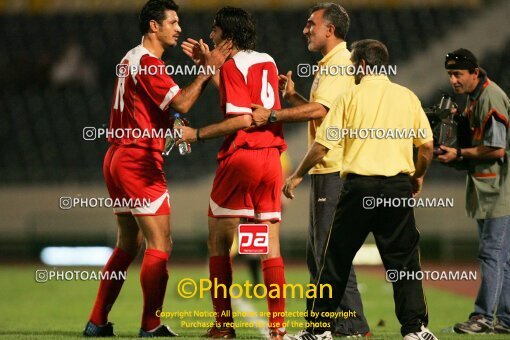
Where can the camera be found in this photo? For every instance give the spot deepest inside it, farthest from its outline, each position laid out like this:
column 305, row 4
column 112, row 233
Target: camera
column 449, row 128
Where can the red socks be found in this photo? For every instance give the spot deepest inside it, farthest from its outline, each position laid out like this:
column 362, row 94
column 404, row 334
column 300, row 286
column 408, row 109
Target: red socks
column 220, row 268
column 274, row 273
column 153, row 277
column 109, row 289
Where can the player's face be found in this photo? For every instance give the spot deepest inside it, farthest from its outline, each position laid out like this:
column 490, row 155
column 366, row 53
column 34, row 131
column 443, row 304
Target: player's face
column 462, row 81
column 216, row 35
column 169, row 30
column 316, row 30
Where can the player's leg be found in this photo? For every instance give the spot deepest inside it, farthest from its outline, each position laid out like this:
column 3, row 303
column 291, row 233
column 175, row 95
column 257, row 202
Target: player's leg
column 326, row 190
column 397, row 239
column 140, row 174
column 229, row 203
column 273, row 272
column 128, row 243
column 154, row 272
column 341, row 246
column 324, row 194
column 219, row 243
column 267, row 204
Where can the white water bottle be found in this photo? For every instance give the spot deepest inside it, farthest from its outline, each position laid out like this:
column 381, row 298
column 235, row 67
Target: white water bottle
column 184, row 148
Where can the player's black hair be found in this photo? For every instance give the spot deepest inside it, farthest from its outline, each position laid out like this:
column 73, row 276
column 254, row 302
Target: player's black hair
column 155, row 10
column 238, row 25
column 336, row 15
column 372, row 51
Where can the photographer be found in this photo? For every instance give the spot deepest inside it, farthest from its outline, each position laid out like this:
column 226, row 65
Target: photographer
column 488, row 188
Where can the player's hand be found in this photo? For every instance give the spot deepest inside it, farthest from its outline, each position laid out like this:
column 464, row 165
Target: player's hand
column 286, row 85
column 260, row 115
column 189, row 135
column 291, row 183
column 449, row 155
column 217, row 56
column 192, row 49
column 417, row 184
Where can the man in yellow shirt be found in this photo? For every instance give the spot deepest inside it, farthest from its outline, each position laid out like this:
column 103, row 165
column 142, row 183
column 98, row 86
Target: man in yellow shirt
column 378, row 122
column 325, row 30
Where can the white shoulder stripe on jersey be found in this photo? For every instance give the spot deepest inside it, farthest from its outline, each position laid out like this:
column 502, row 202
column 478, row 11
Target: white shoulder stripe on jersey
column 231, row 108
column 169, row 96
column 246, row 59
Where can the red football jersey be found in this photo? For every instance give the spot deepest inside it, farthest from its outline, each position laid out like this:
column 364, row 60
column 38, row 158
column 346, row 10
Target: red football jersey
column 250, row 77
column 141, row 97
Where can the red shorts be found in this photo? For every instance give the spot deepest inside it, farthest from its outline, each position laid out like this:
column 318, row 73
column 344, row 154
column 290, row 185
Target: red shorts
column 135, row 175
column 248, row 184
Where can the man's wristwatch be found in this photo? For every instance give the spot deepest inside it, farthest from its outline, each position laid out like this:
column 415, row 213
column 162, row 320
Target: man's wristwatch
column 272, row 117
column 459, row 154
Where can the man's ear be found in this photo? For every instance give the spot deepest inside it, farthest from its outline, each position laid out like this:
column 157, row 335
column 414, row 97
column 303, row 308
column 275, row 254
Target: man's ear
column 331, row 30
column 153, row 26
column 363, row 64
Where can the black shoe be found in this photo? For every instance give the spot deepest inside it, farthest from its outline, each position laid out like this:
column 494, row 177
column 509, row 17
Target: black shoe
column 477, row 324
column 305, row 335
column 92, row 330
column 161, row 331
column 500, row 329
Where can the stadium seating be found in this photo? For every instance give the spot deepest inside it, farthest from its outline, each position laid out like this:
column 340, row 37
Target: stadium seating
column 41, row 139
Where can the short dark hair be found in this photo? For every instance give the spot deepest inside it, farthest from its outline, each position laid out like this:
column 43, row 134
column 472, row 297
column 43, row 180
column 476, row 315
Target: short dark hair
column 372, row 51
column 155, row 10
column 336, row 15
column 238, row 25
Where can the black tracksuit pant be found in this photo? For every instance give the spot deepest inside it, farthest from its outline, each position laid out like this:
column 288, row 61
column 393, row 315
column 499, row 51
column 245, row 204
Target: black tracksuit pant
column 396, row 237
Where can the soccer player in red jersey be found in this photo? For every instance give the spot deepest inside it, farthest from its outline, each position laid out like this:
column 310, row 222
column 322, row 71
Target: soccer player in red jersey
column 248, row 180
column 133, row 167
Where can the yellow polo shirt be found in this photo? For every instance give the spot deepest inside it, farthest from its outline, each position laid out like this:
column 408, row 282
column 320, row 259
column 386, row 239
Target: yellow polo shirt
column 327, row 85
column 377, row 122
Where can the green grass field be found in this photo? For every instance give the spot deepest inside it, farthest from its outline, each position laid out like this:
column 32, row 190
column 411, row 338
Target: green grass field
column 59, row 309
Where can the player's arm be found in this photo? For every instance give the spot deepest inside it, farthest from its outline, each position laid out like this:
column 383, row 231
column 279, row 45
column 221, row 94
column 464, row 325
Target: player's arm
column 314, row 155
column 286, row 86
column 425, row 145
column 185, row 99
column 193, row 49
column 223, row 128
column 425, row 155
column 302, row 110
column 319, row 148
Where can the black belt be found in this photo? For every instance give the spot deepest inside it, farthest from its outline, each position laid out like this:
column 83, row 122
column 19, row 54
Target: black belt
column 400, row 175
